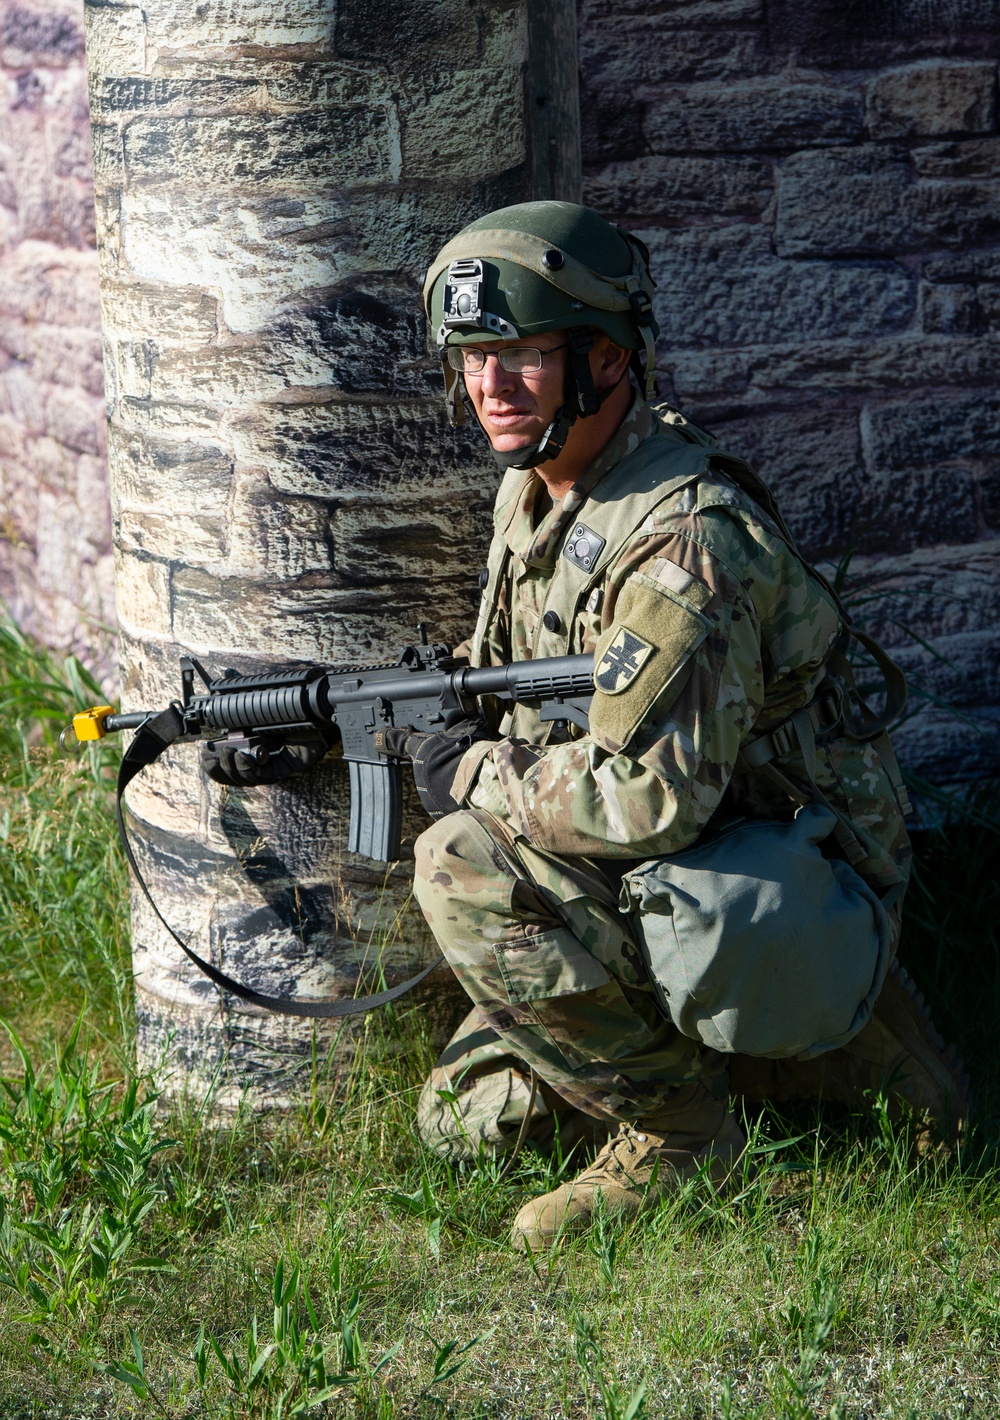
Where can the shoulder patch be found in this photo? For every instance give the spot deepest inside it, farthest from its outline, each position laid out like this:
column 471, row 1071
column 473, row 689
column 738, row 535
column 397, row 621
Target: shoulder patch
column 644, row 657
column 622, row 661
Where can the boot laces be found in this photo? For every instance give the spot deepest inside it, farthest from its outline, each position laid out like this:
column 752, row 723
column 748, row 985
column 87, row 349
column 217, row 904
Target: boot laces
column 625, row 1142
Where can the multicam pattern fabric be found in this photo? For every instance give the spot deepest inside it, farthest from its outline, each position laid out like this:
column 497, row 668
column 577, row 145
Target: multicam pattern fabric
column 538, row 943
column 478, row 1094
column 520, row 890
column 742, row 631
column 540, row 541
column 536, row 541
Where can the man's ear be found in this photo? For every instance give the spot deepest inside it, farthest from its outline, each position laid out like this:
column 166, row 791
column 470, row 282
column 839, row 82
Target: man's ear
column 608, row 361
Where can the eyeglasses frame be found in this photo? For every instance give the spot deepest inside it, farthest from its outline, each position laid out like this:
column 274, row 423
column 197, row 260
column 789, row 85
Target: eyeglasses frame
column 498, row 356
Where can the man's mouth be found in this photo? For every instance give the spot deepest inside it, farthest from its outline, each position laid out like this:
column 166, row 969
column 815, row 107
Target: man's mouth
column 509, row 419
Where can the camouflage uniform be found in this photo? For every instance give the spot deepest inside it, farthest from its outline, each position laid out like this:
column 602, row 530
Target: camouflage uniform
column 708, row 631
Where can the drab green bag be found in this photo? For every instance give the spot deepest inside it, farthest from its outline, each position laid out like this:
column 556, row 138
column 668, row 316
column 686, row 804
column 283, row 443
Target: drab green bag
column 757, row 944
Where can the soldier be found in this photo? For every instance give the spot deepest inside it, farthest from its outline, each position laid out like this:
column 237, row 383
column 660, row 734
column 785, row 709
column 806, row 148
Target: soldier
column 623, row 530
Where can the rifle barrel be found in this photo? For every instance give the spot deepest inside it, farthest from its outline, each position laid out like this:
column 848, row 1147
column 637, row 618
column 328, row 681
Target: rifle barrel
column 126, row 720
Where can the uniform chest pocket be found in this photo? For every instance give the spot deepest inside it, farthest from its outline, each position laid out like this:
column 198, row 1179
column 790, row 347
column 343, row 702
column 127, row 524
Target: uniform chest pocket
column 586, row 630
column 645, row 652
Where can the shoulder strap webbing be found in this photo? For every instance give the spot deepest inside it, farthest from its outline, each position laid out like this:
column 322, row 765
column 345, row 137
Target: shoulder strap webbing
column 861, row 722
column 800, row 730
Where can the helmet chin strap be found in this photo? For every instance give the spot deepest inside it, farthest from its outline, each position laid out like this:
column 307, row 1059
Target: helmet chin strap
column 549, row 446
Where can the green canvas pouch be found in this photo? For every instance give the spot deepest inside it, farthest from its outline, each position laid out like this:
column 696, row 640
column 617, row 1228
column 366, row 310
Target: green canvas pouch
column 757, row 944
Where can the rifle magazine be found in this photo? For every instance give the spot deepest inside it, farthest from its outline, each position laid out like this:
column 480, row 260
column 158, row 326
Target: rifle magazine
column 376, row 810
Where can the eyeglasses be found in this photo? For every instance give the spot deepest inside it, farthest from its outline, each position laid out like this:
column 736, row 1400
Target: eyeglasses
column 516, row 359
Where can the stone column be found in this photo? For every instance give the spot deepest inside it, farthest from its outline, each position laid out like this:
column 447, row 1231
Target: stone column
column 271, row 180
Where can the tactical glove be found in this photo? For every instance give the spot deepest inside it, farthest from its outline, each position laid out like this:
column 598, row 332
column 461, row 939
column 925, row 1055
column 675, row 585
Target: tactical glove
column 227, row 764
column 435, row 759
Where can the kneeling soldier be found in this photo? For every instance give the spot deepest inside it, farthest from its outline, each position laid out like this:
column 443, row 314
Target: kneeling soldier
column 722, row 692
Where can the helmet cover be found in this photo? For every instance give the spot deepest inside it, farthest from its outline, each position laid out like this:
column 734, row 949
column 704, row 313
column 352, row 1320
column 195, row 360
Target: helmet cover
column 537, row 267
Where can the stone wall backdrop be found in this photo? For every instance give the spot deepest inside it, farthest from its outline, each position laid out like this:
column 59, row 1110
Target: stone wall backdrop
column 819, row 184
column 56, row 572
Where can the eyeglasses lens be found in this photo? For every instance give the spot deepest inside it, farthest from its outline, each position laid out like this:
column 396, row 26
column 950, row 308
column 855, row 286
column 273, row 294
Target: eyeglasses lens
column 517, row 361
column 521, row 359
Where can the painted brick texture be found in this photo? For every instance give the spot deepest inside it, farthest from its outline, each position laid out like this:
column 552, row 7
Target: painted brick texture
column 819, row 185
column 56, row 567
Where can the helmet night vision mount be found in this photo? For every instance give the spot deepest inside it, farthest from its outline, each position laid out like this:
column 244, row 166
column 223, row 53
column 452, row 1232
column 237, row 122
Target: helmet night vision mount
column 463, row 296
column 537, row 267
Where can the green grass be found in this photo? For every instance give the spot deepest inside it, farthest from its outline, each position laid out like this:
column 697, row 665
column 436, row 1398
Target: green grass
column 154, row 1263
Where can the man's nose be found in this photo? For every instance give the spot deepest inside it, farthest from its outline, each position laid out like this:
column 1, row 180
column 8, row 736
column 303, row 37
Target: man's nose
column 495, row 379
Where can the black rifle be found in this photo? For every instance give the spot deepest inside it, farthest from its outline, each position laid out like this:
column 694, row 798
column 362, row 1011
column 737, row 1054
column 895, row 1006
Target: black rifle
column 425, row 689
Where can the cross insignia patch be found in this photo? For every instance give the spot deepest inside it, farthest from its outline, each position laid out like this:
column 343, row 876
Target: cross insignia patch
column 621, row 662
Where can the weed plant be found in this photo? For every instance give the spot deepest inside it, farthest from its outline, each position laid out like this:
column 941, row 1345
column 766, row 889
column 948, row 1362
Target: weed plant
column 324, row 1263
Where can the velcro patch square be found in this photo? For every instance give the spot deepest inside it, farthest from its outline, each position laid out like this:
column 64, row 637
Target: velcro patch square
column 621, row 662
column 583, row 547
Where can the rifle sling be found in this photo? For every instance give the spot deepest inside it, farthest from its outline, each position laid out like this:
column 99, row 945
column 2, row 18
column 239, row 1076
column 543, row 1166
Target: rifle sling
column 154, row 736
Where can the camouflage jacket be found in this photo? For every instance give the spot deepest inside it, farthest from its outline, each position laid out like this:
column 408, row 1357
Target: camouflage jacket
column 708, row 630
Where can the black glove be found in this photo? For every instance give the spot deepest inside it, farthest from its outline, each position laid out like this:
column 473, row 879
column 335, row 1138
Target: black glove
column 227, row 764
column 435, row 759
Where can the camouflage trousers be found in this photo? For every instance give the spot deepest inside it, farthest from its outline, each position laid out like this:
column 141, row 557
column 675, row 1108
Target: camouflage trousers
column 559, row 985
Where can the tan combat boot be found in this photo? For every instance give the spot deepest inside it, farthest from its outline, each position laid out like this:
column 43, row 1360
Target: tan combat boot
column 642, row 1163
column 898, row 1053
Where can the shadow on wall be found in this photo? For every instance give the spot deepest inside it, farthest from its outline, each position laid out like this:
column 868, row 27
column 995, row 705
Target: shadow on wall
column 819, row 185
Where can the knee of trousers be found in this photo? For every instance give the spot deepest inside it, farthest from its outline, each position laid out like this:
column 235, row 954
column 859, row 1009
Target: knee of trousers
column 459, row 857
column 486, row 1110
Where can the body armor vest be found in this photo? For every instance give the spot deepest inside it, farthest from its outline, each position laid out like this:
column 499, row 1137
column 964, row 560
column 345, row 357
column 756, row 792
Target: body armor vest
column 591, row 543
column 672, row 457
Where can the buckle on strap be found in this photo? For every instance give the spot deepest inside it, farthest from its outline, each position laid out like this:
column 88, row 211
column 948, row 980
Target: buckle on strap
column 642, row 307
column 824, row 714
column 783, row 740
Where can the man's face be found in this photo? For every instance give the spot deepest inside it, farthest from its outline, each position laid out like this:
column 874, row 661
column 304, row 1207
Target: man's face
column 516, row 409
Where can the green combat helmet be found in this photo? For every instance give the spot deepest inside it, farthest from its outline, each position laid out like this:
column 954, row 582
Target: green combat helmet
column 536, row 267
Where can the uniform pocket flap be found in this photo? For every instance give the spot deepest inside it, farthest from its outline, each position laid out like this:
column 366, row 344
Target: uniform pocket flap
column 551, row 964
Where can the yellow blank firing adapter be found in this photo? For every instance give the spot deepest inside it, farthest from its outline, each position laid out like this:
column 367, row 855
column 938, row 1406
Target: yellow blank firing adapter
column 89, row 724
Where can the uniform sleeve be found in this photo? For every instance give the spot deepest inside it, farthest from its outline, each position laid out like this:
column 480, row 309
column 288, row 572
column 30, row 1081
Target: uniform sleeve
column 679, row 682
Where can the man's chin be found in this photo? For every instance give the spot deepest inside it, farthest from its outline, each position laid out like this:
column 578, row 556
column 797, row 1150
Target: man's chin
column 510, row 443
